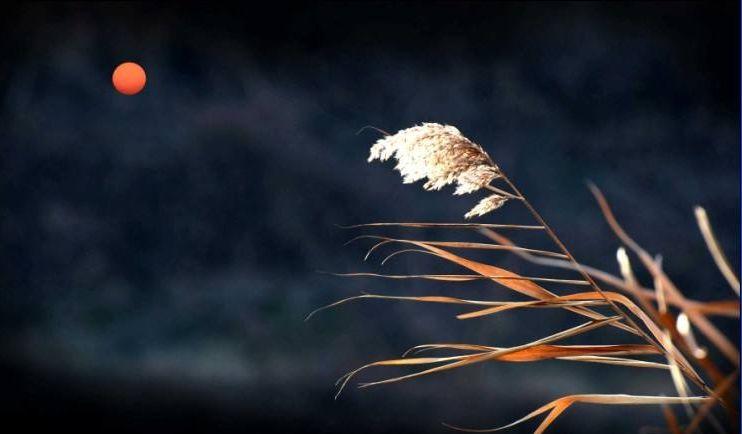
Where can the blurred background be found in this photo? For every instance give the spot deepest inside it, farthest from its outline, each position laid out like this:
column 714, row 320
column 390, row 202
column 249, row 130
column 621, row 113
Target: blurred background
column 161, row 251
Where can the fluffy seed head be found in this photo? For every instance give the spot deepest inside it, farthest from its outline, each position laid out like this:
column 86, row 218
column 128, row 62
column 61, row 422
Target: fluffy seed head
column 489, row 203
column 439, row 153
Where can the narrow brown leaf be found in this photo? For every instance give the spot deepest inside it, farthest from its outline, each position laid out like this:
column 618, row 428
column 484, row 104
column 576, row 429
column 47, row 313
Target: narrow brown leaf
column 446, row 225
column 558, row 406
column 713, row 245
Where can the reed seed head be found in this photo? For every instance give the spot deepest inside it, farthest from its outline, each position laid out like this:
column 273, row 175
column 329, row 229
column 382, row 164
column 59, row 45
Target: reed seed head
column 439, row 153
column 444, row 156
column 489, row 203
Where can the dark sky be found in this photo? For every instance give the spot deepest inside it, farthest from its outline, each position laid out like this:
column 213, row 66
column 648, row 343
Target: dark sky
column 161, row 250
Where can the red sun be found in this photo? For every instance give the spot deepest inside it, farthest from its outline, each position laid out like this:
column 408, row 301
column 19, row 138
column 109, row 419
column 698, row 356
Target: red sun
column 129, row 78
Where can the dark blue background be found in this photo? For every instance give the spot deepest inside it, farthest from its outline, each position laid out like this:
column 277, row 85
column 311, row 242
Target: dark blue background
column 160, row 250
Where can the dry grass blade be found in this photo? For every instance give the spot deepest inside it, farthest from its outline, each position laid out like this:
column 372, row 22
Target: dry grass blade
column 456, row 245
column 545, row 352
column 427, row 299
column 417, row 349
column 460, row 277
column 445, row 225
column 544, row 304
column 618, row 361
column 521, row 304
column 487, row 246
column 442, row 277
column 587, row 353
column 580, row 350
column 556, row 407
column 728, row 308
column 459, row 361
column 701, row 322
column 713, row 245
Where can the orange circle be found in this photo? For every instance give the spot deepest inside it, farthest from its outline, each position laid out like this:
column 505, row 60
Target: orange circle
column 129, row 78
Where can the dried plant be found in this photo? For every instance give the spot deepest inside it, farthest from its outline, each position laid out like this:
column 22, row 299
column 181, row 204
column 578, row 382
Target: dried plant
column 661, row 316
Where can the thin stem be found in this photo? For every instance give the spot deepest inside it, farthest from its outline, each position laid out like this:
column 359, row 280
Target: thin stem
column 503, row 192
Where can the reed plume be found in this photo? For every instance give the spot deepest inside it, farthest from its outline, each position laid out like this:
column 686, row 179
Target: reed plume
column 444, row 156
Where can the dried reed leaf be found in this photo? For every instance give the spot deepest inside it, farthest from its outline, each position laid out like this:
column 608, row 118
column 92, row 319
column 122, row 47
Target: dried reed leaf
column 556, row 407
column 446, row 225
column 460, row 277
column 543, row 352
column 488, row 246
column 398, row 252
column 728, row 308
column 453, row 300
column 441, row 277
column 713, row 245
column 417, row 349
column 456, row 245
column 619, row 361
